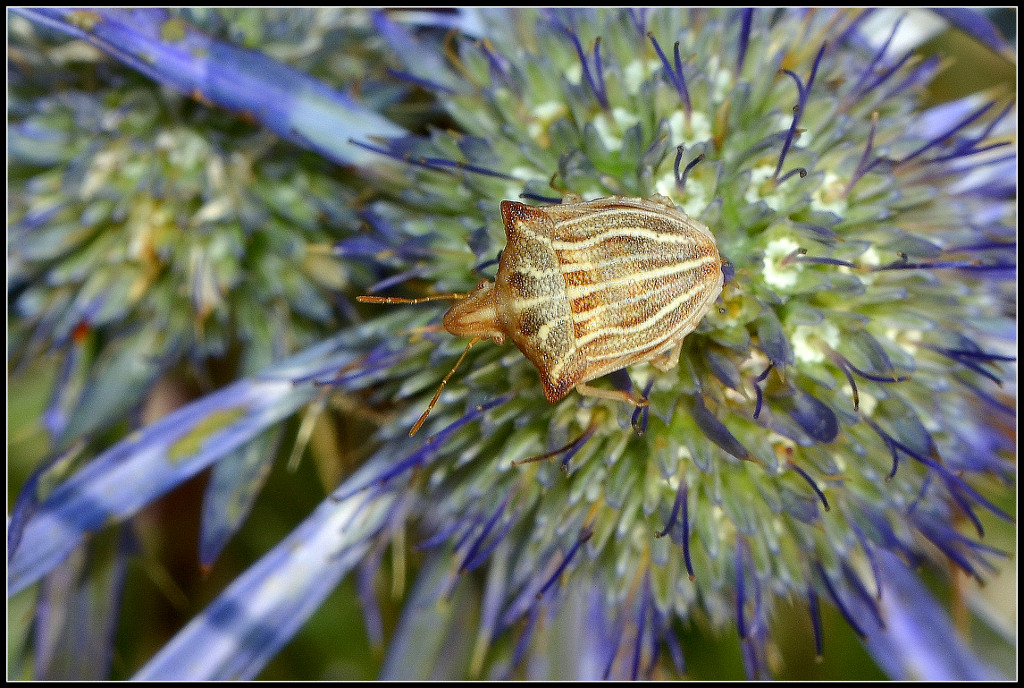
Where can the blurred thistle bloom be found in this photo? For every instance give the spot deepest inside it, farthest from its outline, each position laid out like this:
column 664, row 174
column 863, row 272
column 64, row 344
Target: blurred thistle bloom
column 841, row 417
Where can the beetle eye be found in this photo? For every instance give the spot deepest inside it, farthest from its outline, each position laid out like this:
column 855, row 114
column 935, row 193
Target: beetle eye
column 481, row 284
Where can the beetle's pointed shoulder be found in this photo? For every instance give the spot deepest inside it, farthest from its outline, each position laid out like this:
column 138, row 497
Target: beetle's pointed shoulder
column 559, row 379
column 522, row 220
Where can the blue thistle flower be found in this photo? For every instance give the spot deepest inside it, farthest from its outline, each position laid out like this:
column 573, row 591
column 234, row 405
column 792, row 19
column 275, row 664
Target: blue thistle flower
column 195, row 234
column 834, row 422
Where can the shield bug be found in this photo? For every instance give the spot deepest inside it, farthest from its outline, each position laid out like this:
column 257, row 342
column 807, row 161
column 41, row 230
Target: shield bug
column 584, row 288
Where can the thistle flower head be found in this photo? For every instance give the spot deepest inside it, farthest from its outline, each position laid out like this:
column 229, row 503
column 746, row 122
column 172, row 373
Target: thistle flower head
column 147, row 234
column 834, row 419
column 828, row 408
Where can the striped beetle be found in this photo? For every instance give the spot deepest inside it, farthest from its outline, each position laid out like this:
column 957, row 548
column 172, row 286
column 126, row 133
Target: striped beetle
column 587, row 287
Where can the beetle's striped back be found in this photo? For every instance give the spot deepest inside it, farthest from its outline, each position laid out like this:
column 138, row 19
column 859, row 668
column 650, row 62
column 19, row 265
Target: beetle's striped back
column 587, row 288
column 637, row 278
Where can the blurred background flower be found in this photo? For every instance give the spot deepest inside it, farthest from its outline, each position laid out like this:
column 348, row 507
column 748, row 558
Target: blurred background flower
column 197, row 197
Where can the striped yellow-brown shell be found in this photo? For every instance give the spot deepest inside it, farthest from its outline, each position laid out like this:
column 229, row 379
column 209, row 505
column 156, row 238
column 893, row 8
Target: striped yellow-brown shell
column 585, row 288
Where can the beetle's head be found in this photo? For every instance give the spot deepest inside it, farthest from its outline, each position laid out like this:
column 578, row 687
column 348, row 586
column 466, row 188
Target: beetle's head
column 475, row 315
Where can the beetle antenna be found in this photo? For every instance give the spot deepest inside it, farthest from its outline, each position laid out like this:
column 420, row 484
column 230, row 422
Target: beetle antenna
column 444, row 382
column 422, row 299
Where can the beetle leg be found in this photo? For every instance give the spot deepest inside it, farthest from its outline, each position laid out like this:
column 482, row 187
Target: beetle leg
column 663, row 200
column 570, row 197
column 613, row 394
column 669, row 359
